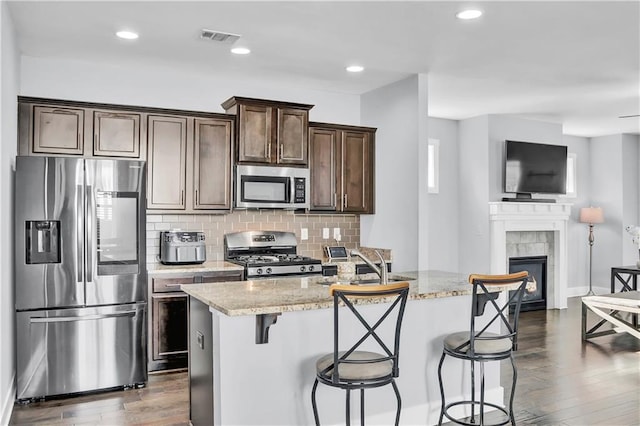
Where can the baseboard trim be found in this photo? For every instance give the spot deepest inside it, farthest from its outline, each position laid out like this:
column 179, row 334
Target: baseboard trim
column 7, row 404
column 582, row 291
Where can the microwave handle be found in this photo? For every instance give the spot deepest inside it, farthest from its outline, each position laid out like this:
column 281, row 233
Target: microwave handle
column 290, row 190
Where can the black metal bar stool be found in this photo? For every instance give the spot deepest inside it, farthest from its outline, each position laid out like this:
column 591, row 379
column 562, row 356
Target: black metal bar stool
column 358, row 369
column 480, row 345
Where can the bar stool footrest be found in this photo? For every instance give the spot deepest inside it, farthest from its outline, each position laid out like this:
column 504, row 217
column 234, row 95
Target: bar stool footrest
column 476, row 418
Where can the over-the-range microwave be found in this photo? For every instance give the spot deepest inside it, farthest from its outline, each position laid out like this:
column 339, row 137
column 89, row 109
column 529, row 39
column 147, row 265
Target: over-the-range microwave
column 271, row 187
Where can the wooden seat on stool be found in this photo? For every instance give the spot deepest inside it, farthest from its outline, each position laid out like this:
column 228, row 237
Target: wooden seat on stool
column 479, row 345
column 354, row 368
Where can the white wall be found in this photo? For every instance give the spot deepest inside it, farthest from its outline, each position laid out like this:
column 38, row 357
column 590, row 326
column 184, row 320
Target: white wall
column 9, row 81
column 473, row 195
column 399, row 112
column 577, row 233
column 630, row 195
column 607, row 192
column 444, row 206
column 155, row 86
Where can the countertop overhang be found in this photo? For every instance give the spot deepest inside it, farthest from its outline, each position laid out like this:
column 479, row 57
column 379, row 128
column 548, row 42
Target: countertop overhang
column 276, row 296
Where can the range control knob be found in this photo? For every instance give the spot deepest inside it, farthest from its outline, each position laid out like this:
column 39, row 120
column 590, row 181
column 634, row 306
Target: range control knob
column 259, row 271
column 268, row 271
column 311, row 268
column 302, row 268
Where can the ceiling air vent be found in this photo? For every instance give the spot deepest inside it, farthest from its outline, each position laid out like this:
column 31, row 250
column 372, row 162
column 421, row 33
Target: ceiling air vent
column 219, row 36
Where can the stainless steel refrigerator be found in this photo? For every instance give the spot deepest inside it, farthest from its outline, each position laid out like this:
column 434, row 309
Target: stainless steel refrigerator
column 80, row 276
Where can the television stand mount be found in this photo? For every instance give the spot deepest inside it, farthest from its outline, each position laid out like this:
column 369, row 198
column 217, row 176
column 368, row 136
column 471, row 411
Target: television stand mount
column 526, row 198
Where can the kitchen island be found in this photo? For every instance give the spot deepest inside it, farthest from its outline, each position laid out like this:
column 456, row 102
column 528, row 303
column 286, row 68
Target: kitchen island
column 253, row 347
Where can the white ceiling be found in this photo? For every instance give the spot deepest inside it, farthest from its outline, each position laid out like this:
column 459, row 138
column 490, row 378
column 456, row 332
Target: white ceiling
column 573, row 62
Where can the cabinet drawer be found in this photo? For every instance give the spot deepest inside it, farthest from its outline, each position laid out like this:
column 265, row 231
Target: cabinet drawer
column 164, row 285
column 216, row 277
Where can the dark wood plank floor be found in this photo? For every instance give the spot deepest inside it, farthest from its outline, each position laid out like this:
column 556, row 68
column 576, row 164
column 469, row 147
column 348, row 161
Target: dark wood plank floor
column 561, row 382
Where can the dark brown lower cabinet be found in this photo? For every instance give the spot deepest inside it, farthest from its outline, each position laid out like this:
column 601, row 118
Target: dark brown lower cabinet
column 169, row 318
column 170, row 322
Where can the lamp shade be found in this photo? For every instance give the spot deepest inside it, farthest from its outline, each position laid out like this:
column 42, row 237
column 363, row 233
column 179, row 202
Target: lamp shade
column 591, row 215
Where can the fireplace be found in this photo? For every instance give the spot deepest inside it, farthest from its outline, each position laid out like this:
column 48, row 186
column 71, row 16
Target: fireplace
column 507, row 218
column 537, row 268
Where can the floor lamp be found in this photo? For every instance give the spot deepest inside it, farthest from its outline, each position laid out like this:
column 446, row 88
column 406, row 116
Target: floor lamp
column 591, row 215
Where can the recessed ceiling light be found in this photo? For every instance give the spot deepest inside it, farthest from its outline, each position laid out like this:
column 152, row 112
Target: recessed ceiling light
column 469, row 14
column 127, row 35
column 355, row 68
column 240, row 51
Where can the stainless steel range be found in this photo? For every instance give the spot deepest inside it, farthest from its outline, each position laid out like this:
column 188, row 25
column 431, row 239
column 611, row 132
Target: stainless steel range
column 268, row 253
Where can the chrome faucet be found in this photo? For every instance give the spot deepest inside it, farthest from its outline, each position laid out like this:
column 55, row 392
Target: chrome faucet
column 381, row 271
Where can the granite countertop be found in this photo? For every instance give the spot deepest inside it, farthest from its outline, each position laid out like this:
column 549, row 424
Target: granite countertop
column 279, row 295
column 209, row 266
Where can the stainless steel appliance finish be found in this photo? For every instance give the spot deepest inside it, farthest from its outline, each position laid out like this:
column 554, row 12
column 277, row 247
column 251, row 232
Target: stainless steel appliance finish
column 268, row 253
column 81, row 278
column 182, row 248
column 272, row 187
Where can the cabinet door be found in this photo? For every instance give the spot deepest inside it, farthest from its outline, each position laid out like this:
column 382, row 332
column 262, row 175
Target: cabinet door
column 212, row 164
column 58, row 130
column 170, row 335
column 322, row 166
column 116, row 134
column 292, row 137
column 166, row 162
column 255, row 127
column 357, row 172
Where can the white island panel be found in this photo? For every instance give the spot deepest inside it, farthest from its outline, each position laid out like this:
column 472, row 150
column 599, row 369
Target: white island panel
column 270, row 384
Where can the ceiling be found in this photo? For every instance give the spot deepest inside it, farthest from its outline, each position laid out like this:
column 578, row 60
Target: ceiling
column 574, row 62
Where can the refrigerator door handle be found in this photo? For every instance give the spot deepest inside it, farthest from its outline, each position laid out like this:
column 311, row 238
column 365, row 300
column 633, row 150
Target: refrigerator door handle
column 79, row 236
column 89, row 224
column 81, row 318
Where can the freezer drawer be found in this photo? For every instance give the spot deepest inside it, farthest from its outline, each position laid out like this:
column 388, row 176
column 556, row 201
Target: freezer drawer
column 67, row 351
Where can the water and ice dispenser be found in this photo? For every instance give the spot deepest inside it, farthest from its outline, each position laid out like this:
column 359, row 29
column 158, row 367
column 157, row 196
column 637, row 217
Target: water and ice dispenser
column 42, row 241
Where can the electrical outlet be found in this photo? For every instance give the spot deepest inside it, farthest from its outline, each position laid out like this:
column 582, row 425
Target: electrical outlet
column 325, row 233
column 336, row 234
column 304, row 234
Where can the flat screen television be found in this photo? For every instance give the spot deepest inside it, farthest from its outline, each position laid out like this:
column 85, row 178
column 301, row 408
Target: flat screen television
column 534, row 168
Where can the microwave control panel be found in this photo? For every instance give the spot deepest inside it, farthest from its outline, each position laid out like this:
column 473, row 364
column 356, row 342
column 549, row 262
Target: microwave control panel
column 300, row 186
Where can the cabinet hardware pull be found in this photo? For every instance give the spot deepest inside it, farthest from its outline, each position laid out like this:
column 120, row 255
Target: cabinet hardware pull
column 269, row 151
column 182, row 197
column 344, row 205
column 196, row 197
column 280, row 153
column 335, row 199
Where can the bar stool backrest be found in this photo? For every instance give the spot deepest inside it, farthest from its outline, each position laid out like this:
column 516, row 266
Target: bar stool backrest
column 350, row 296
column 483, row 294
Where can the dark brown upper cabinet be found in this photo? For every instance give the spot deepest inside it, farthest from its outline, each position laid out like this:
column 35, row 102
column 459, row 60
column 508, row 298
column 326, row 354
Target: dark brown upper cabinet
column 189, row 163
column 57, row 130
column 116, row 134
column 167, row 162
column 342, row 160
column 270, row 132
column 58, row 127
column 212, row 164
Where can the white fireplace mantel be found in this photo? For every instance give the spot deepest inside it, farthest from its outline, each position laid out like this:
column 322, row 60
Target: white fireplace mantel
column 511, row 216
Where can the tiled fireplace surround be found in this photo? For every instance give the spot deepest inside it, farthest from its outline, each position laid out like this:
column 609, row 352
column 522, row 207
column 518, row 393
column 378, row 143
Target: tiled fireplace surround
column 215, row 226
column 532, row 229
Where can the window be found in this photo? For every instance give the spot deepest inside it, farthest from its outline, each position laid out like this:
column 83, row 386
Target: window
column 572, row 190
column 433, row 166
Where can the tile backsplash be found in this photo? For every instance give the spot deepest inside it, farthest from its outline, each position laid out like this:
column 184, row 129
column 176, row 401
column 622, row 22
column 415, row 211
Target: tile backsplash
column 215, row 226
